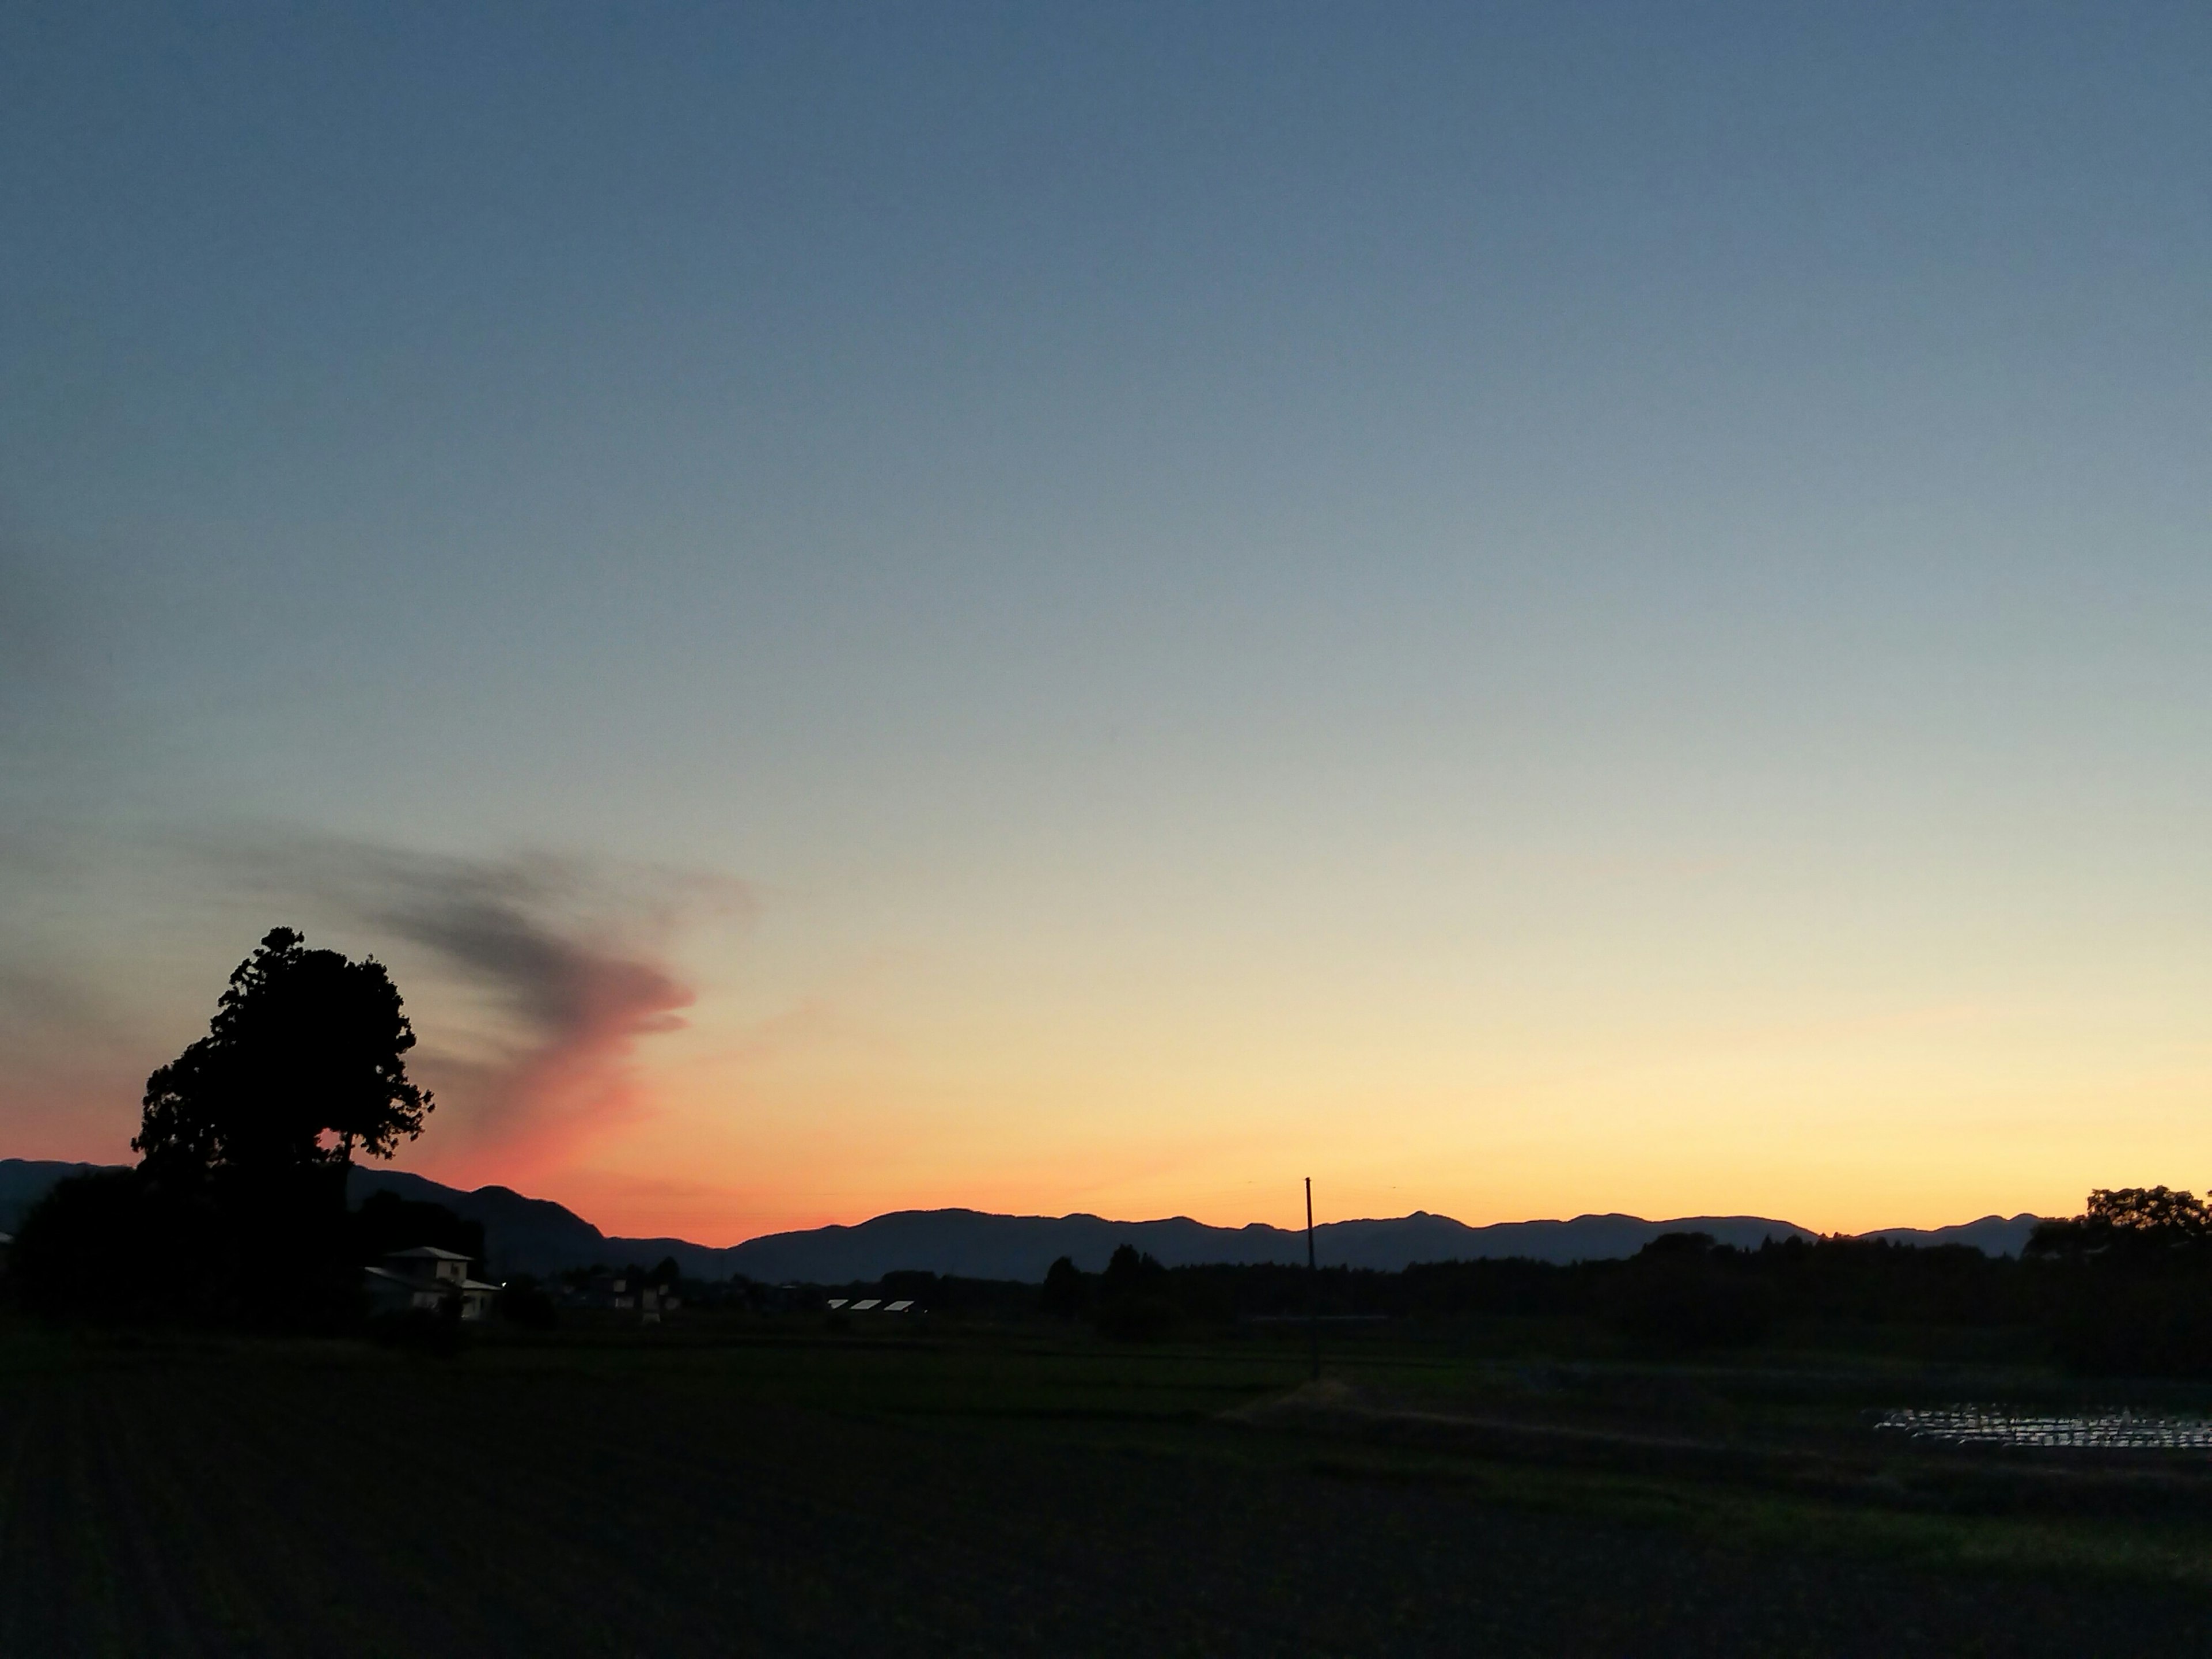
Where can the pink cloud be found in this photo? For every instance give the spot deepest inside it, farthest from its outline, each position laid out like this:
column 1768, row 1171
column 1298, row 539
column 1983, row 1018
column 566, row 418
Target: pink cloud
column 571, row 958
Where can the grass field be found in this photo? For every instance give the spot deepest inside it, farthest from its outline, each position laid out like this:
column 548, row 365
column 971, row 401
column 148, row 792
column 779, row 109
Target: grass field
column 757, row 1487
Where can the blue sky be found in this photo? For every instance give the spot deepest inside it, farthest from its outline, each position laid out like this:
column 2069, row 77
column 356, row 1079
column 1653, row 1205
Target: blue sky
column 1131, row 599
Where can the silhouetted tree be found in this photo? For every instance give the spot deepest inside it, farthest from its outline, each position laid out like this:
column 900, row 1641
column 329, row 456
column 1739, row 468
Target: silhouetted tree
column 2134, row 1221
column 2149, row 1209
column 2132, row 1285
column 1127, row 1272
column 1683, row 1291
column 304, row 1060
column 1134, row 1300
column 237, row 1212
column 1066, row 1292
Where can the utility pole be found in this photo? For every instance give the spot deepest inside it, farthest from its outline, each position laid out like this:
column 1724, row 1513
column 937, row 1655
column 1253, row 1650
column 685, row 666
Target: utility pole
column 1313, row 1287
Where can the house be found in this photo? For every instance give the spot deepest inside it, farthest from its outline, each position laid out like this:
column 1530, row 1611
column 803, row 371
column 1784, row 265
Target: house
column 429, row 1277
column 599, row 1289
column 624, row 1292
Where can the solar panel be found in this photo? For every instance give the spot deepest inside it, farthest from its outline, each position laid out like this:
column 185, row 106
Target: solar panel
column 898, row 1307
column 862, row 1307
column 837, row 1300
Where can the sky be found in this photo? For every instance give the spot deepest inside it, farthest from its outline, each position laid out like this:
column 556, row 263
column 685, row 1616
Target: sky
column 1522, row 609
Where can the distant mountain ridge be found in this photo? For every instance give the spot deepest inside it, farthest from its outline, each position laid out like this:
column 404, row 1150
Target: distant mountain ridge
column 537, row 1235
column 1993, row 1235
column 984, row 1246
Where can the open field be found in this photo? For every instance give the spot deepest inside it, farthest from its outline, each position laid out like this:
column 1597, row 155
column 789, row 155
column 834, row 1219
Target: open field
column 758, row 1487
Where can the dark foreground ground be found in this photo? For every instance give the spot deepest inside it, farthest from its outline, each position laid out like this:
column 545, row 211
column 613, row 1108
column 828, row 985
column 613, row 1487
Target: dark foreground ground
column 807, row 1492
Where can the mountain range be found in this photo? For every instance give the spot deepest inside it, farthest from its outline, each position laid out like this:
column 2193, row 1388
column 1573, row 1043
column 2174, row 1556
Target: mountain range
column 537, row 1235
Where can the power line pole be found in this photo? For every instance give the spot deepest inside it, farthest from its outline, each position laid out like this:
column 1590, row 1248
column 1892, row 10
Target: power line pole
column 1313, row 1287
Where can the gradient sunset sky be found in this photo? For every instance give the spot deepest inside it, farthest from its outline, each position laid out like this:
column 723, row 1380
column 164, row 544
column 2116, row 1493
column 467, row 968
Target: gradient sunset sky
column 1523, row 609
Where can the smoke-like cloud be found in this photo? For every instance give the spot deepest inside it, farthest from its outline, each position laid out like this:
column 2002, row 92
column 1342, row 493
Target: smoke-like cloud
column 532, row 979
column 67, row 1048
column 554, row 969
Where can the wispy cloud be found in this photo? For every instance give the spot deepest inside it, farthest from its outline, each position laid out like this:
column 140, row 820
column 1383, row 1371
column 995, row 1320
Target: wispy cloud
column 568, row 960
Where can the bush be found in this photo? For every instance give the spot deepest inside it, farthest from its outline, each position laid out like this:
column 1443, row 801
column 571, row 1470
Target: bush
column 127, row 1245
column 1680, row 1292
column 1136, row 1298
column 1067, row 1290
column 106, row 1247
column 521, row 1302
column 2110, row 1323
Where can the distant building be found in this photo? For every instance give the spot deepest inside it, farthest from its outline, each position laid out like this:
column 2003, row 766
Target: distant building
column 428, row 1278
column 620, row 1292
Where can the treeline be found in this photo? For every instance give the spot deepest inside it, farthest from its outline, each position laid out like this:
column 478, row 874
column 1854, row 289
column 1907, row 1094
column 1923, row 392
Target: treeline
column 1680, row 1283
column 2127, row 1284
column 131, row 1247
column 2125, row 1287
column 1682, row 1291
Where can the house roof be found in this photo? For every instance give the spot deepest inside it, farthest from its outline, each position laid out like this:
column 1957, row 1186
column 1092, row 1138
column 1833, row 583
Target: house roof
column 424, row 1253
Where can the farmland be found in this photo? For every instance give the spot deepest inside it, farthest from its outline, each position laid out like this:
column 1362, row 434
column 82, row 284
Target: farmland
column 763, row 1485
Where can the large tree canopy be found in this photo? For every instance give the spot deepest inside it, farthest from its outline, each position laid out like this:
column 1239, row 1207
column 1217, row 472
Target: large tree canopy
column 304, row 1060
column 2130, row 1225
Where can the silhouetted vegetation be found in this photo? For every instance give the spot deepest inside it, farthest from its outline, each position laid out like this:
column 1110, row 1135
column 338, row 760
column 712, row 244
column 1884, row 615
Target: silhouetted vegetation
column 523, row 1302
column 2132, row 1281
column 2125, row 1287
column 1681, row 1292
column 112, row 1246
column 1066, row 1292
column 1136, row 1299
column 236, row 1213
column 304, row 1060
column 133, row 1245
